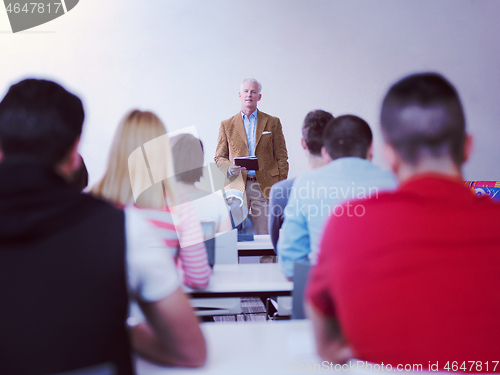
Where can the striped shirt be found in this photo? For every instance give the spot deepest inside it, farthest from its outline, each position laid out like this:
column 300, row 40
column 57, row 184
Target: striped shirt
column 179, row 228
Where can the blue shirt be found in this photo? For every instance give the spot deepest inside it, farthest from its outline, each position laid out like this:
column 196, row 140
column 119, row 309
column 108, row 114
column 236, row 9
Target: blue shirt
column 319, row 193
column 250, row 127
column 278, row 198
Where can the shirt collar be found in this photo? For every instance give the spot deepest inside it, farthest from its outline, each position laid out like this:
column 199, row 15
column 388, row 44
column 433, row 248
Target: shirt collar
column 252, row 116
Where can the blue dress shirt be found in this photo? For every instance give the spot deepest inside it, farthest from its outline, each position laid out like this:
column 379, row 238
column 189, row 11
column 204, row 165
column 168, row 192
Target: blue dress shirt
column 250, row 127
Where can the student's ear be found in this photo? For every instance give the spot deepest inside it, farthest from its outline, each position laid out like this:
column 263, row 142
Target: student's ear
column 468, row 145
column 391, row 157
column 75, row 158
column 325, row 155
column 302, row 142
column 369, row 154
column 72, row 161
column 260, row 97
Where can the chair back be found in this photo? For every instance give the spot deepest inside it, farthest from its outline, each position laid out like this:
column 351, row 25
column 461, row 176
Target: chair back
column 209, row 228
column 226, row 247
column 300, row 274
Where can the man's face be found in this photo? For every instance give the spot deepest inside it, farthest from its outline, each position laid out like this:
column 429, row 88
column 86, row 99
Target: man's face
column 249, row 96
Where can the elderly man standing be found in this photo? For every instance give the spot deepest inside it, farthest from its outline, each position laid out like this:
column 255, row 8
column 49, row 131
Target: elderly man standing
column 253, row 133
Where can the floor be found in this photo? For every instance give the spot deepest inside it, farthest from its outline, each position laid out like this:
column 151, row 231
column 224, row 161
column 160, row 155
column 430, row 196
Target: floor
column 252, row 309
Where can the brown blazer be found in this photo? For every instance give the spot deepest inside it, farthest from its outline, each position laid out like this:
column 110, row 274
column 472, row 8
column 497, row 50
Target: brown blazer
column 270, row 149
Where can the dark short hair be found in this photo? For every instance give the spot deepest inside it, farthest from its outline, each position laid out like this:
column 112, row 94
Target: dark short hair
column 41, row 119
column 312, row 130
column 422, row 115
column 347, row 135
column 187, row 151
column 80, row 176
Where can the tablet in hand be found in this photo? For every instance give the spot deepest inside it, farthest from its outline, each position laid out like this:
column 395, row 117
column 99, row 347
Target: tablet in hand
column 249, row 162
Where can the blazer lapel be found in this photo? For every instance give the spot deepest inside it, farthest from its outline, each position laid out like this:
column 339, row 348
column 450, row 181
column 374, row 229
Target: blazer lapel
column 261, row 124
column 240, row 128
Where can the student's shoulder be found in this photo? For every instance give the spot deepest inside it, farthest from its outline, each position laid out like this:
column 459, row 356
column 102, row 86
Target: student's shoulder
column 281, row 190
column 383, row 175
column 96, row 204
column 382, row 203
column 308, row 177
column 283, row 184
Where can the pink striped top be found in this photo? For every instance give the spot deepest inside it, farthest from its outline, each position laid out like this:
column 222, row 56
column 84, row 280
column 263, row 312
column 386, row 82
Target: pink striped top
column 179, row 228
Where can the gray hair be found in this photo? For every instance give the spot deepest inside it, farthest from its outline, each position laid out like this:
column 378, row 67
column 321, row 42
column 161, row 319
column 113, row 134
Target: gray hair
column 259, row 86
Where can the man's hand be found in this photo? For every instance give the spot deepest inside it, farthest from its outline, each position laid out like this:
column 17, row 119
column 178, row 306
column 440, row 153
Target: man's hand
column 330, row 343
column 235, row 170
column 171, row 335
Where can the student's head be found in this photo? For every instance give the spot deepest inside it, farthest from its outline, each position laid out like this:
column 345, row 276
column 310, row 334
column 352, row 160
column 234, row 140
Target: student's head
column 422, row 120
column 346, row 136
column 312, row 130
column 127, row 164
column 41, row 120
column 187, row 151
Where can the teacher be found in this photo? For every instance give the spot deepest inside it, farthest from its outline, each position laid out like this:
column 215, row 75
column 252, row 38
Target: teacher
column 253, row 133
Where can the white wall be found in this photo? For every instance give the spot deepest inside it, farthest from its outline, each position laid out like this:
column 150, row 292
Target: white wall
column 184, row 60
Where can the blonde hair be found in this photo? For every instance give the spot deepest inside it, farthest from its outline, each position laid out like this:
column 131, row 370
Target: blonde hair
column 129, row 178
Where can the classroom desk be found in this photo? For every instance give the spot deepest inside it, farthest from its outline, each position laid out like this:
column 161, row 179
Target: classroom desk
column 261, row 245
column 249, row 348
column 245, row 280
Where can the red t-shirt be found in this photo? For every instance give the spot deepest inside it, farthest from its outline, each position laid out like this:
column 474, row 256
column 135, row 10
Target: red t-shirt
column 416, row 279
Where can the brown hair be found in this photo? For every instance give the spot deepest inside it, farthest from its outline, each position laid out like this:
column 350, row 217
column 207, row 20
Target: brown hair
column 313, row 128
column 188, row 158
column 347, row 135
column 422, row 115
